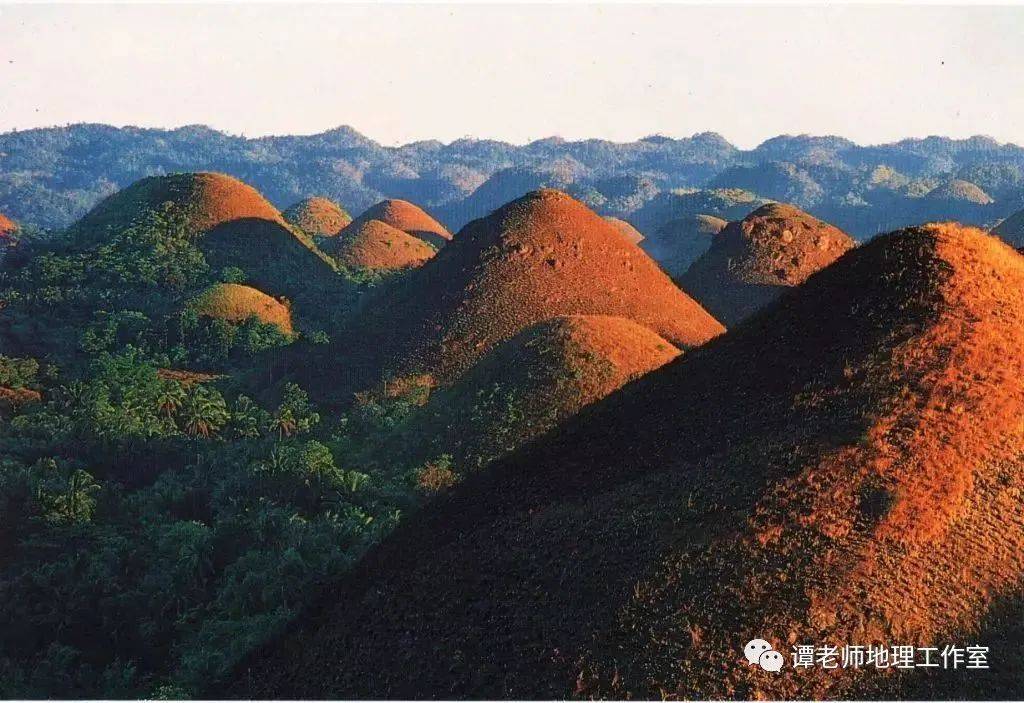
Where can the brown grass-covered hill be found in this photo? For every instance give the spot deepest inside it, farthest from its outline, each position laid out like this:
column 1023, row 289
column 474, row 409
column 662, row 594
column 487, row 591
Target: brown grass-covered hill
column 407, row 217
column 844, row 468
column 8, row 235
column 1011, row 230
column 377, row 246
column 625, row 229
column 959, row 190
column 12, row 400
column 541, row 256
column 750, row 262
column 7, row 227
column 233, row 225
column 680, row 242
column 208, row 200
column 237, row 303
column 318, row 216
column 523, row 387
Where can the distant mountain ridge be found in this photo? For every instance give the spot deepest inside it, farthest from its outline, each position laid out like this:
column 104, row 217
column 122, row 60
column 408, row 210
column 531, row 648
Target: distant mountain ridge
column 51, row 176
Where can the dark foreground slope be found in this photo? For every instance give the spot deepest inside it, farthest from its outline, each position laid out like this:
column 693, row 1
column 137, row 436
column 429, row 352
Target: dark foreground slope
column 843, row 468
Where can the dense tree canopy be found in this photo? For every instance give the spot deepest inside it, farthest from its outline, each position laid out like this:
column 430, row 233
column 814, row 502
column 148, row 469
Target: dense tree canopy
column 158, row 520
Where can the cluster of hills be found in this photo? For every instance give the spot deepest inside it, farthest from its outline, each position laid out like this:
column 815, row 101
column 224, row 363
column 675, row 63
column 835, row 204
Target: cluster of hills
column 845, row 467
column 50, row 177
column 544, row 447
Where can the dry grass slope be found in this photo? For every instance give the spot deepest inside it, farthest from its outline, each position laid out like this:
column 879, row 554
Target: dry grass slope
column 961, row 191
column 541, row 256
column 209, row 199
column 377, row 246
column 844, row 468
column 12, row 400
column 407, row 217
column 7, row 226
column 318, row 216
column 237, row 303
column 544, row 374
column 750, row 262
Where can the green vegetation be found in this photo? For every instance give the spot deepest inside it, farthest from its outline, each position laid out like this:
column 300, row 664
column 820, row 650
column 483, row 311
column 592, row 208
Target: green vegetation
column 50, row 177
column 158, row 517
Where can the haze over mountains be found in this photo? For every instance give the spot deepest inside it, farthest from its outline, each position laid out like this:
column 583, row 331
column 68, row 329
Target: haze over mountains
column 50, row 177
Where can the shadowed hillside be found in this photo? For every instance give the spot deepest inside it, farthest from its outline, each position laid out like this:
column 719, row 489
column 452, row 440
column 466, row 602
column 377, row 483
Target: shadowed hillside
column 1011, row 230
column 829, row 472
column 678, row 243
column 524, row 386
column 274, row 259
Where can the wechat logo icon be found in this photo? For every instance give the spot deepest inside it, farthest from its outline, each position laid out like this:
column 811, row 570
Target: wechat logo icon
column 762, row 653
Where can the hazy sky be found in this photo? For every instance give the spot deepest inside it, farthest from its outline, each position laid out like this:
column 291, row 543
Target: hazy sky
column 399, row 73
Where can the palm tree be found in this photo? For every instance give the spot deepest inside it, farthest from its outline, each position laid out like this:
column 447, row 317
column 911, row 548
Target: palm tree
column 204, row 412
column 284, row 422
column 170, row 398
column 78, row 500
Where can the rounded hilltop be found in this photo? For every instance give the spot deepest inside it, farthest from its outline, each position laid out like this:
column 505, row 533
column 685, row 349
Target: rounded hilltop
column 403, row 215
column 232, row 224
column 376, row 246
column 959, row 190
column 863, row 437
column 679, row 242
column 750, row 262
column 207, row 200
column 544, row 255
column 318, row 216
column 625, row 229
column 237, row 303
column 563, row 363
column 544, row 374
